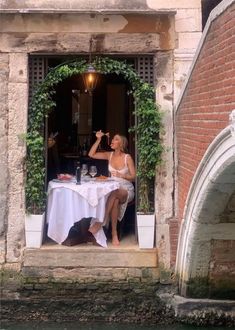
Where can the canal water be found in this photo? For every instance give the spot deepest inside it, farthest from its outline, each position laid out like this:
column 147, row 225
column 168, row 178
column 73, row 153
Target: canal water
column 101, row 326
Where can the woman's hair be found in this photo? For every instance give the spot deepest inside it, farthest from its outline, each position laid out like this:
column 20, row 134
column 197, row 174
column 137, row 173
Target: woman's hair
column 124, row 143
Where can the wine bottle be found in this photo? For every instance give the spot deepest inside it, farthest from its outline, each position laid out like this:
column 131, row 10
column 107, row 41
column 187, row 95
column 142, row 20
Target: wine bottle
column 78, row 173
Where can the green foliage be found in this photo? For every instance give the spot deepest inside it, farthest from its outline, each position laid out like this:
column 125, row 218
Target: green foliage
column 147, row 129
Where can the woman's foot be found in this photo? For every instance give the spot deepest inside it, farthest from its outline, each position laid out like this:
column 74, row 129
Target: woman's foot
column 95, row 227
column 115, row 240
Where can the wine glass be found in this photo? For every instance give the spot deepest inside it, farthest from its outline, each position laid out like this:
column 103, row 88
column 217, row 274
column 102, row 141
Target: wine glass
column 84, row 169
column 93, row 171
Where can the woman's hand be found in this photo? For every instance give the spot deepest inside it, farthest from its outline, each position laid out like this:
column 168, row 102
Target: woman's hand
column 99, row 134
column 117, row 174
column 93, row 151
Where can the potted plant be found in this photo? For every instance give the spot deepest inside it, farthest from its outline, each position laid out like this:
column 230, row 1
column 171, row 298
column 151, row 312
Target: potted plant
column 149, row 151
column 35, row 192
column 35, row 169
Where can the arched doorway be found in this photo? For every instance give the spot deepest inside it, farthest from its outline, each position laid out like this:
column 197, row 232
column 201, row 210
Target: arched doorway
column 43, row 103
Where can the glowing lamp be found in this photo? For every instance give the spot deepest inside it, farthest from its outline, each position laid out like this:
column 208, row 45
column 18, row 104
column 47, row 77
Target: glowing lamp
column 90, row 76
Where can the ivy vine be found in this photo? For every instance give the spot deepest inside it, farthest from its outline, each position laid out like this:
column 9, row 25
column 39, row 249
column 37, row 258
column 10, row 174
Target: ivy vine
column 149, row 125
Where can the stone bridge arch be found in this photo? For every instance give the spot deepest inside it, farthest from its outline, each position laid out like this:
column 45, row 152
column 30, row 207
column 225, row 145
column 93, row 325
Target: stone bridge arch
column 205, row 259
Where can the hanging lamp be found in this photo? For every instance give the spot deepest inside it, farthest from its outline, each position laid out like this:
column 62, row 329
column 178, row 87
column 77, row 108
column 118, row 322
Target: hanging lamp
column 90, row 76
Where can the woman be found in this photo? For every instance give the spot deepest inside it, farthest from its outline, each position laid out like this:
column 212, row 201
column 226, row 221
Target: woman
column 121, row 166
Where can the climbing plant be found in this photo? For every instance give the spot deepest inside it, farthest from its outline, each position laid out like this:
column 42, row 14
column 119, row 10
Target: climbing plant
column 149, row 146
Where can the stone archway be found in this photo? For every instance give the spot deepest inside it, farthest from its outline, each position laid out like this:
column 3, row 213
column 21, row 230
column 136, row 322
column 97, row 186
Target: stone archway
column 205, row 261
column 146, row 110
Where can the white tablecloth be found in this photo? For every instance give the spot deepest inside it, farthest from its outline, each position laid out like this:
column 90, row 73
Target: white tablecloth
column 68, row 203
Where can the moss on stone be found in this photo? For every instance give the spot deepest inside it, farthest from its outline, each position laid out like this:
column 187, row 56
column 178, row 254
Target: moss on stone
column 198, row 287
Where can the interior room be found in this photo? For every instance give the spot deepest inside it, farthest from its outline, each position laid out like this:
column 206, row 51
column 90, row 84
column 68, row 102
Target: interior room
column 78, row 115
column 75, row 120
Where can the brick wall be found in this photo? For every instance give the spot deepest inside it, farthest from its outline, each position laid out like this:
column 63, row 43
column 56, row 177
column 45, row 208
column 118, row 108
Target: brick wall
column 207, row 101
column 174, row 232
column 222, row 269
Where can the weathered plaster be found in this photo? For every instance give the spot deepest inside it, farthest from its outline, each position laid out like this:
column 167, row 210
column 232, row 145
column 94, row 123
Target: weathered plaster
column 18, row 107
column 39, row 23
column 172, row 4
column 74, row 4
column 188, row 40
column 4, row 73
column 18, row 68
column 164, row 179
column 163, row 244
column 183, row 59
column 188, row 20
column 135, row 43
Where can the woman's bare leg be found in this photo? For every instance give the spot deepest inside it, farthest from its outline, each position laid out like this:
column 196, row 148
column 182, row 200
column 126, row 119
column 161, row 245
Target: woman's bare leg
column 94, row 228
column 114, row 217
column 121, row 196
column 109, row 206
column 118, row 196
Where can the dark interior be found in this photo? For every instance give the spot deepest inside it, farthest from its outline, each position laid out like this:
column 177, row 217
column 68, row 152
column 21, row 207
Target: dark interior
column 109, row 108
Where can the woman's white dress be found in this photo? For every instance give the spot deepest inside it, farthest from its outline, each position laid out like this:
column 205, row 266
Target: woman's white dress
column 124, row 184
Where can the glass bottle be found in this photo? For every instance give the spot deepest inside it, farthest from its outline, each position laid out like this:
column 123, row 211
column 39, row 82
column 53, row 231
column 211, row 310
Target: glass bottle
column 78, row 173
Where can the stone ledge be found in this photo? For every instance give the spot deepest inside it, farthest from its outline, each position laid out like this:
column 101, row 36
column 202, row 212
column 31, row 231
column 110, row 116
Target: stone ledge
column 90, row 257
column 204, row 311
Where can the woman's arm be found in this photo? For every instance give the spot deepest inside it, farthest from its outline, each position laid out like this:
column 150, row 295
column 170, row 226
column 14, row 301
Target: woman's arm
column 93, row 151
column 132, row 172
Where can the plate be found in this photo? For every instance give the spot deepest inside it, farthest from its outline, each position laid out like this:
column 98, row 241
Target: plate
column 65, row 177
column 102, row 178
column 64, row 181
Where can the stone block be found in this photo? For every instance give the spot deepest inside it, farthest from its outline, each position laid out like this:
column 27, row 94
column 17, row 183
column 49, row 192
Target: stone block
column 69, row 23
column 18, row 100
column 163, row 245
column 18, row 65
column 164, row 65
column 78, row 42
column 75, row 257
column 172, row 4
column 188, row 20
column 188, row 40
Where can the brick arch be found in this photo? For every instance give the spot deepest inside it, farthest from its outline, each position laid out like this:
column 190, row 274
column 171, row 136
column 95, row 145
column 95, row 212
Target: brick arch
column 204, row 228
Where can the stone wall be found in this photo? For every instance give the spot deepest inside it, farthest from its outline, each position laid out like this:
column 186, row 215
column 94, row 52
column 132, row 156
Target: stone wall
column 168, row 32
column 130, row 295
column 4, row 179
column 133, row 296
column 222, row 268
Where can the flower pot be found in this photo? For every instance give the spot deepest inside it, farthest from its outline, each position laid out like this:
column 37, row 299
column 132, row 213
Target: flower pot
column 34, row 227
column 145, row 227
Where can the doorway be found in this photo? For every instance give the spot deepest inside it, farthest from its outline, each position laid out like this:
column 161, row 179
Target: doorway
column 76, row 118
column 78, row 115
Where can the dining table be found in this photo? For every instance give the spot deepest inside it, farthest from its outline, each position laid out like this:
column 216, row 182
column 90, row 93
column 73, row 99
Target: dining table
column 68, row 203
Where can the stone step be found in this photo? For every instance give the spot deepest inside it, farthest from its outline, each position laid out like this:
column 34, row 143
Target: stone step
column 91, row 257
